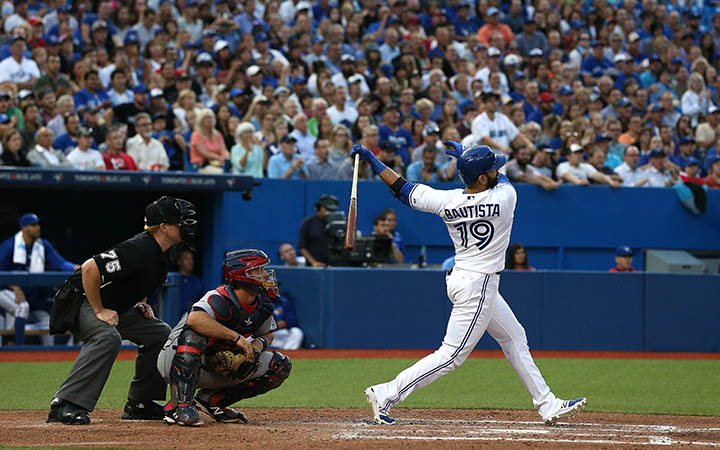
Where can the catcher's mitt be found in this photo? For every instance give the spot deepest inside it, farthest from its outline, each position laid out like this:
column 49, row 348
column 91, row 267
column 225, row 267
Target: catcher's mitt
column 233, row 364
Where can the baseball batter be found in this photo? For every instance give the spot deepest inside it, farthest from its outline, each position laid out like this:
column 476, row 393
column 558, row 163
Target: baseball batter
column 479, row 220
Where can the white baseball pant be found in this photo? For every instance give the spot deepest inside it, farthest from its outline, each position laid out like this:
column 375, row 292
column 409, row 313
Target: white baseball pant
column 288, row 338
column 477, row 306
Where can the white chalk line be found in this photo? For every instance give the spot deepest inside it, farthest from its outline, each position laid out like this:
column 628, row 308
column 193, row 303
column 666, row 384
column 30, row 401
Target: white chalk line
column 651, row 440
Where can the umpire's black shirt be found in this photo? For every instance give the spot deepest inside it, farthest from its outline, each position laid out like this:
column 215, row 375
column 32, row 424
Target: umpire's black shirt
column 131, row 271
column 313, row 238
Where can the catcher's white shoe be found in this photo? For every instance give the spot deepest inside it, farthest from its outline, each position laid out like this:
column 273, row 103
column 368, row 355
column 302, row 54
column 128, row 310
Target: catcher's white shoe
column 568, row 408
column 380, row 416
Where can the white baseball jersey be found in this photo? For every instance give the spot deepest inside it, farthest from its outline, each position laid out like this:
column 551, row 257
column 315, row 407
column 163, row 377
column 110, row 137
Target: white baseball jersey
column 500, row 129
column 479, row 224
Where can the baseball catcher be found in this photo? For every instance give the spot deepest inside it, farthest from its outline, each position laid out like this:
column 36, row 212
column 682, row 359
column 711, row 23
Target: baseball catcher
column 221, row 346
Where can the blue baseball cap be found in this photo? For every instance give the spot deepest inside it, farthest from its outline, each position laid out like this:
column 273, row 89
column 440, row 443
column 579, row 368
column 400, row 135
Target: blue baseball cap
column 623, row 251
column 131, row 38
column 655, row 108
column 190, row 3
column 676, row 60
column 436, row 52
column 29, row 219
column 140, row 89
column 657, row 153
column 297, row 80
column 4, row 119
column 602, row 137
column 565, row 90
column 492, row 11
column 624, row 102
column 519, row 74
column 575, row 24
column 261, row 37
column 65, row 9
column 235, row 92
column 687, row 140
column 690, row 160
column 654, row 57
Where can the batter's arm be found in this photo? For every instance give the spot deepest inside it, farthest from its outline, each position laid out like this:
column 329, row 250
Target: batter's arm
column 397, row 184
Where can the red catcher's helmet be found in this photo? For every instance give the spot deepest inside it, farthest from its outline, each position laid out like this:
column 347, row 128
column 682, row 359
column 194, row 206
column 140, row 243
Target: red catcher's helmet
column 237, row 265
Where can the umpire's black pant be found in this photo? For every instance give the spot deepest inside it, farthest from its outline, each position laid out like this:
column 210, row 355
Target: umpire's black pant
column 101, row 344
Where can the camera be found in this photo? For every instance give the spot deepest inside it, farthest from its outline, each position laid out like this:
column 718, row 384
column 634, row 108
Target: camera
column 368, row 249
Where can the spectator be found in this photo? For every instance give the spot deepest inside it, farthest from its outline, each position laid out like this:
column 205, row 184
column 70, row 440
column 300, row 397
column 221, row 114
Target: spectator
column 12, row 154
column 391, row 222
column 287, row 163
column 28, row 252
column 312, row 238
column 597, row 160
column 380, row 228
column 288, row 335
column 517, row 258
column 691, row 171
column 305, row 140
column 495, row 129
column 631, row 174
column 207, row 147
column 68, row 141
column 695, row 101
column 426, row 170
column 574, row 171
column 431, row 139
column 43, row 155
column 83, row 157
column 623, row 260
column 543, row 161
column 713, row 178
column 658, row 175
column 492, row 25
column 390, row 158
column 191, row 287
column 17, row 69
column 340, row 144
column 115, row 157
column 172, row 141
column 65, row 105
column 520, row 169
column 369, row 140
column 119, row 92
column 319, row 167
column 393, row 132
column 147, row 152
column 246, row 155
column 287, row 254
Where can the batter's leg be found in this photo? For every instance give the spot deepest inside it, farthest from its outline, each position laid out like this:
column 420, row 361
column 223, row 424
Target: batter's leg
column 507, row 331
column 468, row 320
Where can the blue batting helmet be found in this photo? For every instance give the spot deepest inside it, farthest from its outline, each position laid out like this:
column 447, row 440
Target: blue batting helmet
column 477, row 161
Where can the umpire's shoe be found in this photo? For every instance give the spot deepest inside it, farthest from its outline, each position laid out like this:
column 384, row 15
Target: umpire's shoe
column 149, row 410
column 221, row 414
column 67, row 413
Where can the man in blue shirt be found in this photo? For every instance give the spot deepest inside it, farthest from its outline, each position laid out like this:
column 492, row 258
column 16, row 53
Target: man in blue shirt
column 398, row 136
column 28, row 252
column 287, row 163
column 597, row 63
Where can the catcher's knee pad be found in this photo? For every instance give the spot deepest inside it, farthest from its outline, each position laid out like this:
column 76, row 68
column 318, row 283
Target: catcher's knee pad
column 278, row 371
column 185, row 369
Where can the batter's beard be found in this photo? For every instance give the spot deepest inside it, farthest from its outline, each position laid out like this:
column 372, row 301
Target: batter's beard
column 492, row 182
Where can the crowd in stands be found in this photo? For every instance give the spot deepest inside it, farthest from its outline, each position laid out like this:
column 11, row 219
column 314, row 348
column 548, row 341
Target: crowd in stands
column 623, row 93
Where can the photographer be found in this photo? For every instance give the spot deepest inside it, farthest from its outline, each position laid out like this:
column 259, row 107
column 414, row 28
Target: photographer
column 382, row 228
column 312, row 238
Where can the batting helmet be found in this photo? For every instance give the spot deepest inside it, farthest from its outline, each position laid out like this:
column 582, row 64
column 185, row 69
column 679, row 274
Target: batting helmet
column 238, row 264
column 477, row 161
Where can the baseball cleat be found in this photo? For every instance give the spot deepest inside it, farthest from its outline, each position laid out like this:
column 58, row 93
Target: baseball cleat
column 380, row 416
column 568, row 408
column 185, row 415
column 149, row 410
column 221, row 414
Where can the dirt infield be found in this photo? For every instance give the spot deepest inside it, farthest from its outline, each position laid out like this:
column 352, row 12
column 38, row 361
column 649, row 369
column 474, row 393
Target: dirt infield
column 301, row 429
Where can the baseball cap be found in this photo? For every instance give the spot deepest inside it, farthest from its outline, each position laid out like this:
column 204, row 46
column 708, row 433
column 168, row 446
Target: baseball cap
column 141, row 89
column 319, row 40
column 356, row 78
column 252, row 70
column 34, row 20
column 492, row 11
column 436, row 53
column 220, row 44
column 25, row 93
column 86, row 131
column 280, row 89
column 546, row 149
column 28, row 219
column 656, row 108
column 620, row 57
column 234, row 92
column 430, row 128
column 657, row 153
column 602, row 137
column 347, row 58
column 519, row 74
column 623, row 251
column 162, row 210
column 575, row 24
column 536, row 52
column 131, row 38
column 654, row 57
column 565, row 90
column 98, row 24
column 712, row 109
column 634, row 36
column 208, row 32
column 373, row 47
column 390, row 107
column 690, row 160
column 676, row 60
column 575, row 148
column 512, row 60
column 288, row 138
column 158, row 116
column 261, row 37
column 204, row 58
column 301, row 5
column 598, row 43
column 687, row 140
column 546, row 97
column 297, row 80
column 493, row 51
column 4, row 94
column 623, row 102
column 156, row 92
column 486, row 95
column 4, row 119
column 65, row 9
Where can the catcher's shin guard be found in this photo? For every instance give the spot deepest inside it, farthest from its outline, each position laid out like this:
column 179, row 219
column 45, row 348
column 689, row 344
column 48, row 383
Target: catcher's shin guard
column 278, row 371
column 185, row 370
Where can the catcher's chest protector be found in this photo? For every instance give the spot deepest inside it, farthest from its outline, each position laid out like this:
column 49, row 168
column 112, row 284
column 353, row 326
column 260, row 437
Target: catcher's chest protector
column 233, row 314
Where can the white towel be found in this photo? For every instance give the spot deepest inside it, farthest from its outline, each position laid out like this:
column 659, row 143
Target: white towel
column 37, row 255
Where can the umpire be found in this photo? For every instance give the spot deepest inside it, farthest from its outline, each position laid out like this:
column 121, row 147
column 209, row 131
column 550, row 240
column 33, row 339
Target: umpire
column 106, row 302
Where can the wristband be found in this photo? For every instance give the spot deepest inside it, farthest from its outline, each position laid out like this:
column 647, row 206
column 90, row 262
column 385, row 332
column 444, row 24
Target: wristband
column 237, row 339
column 376, row 164
column 265, row 343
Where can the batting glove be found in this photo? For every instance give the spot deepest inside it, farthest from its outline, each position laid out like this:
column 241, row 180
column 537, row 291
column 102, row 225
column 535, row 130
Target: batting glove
column 365, row 154
column 457, row 148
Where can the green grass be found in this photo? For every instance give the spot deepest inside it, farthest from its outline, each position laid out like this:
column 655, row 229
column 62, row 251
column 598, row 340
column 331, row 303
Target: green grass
column 627, row 386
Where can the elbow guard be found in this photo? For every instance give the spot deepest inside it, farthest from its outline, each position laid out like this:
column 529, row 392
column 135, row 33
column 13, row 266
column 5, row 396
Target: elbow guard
column 401, row 189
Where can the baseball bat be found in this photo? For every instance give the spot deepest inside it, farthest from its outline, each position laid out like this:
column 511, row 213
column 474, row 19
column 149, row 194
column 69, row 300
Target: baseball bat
column 351, row 229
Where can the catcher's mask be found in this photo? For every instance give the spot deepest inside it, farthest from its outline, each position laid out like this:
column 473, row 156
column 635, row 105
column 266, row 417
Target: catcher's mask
column 173, row 211
column 238, row 264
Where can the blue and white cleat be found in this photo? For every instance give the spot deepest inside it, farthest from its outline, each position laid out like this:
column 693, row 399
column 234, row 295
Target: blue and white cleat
column 381, row 417
column 568, row 408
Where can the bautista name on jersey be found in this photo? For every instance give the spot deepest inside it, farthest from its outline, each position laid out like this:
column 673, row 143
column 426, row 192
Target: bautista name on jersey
column 488, row 210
